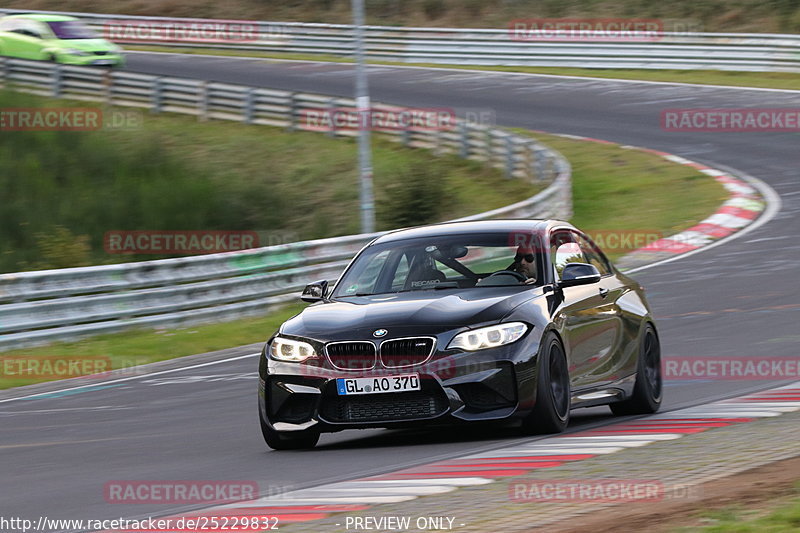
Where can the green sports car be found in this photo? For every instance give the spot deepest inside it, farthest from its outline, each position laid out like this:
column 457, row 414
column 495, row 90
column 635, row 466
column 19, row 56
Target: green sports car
column 56, row 38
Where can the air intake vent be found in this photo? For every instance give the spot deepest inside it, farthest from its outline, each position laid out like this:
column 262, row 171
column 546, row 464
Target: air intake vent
column 384, row 407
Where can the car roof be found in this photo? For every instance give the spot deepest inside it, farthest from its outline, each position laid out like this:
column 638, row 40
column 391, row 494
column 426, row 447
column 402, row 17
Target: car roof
column 477, row 226
column 41, row 17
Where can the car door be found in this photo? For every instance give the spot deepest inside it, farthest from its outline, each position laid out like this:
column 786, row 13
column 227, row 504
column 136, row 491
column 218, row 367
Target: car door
column 588, row 317
column 617, row 339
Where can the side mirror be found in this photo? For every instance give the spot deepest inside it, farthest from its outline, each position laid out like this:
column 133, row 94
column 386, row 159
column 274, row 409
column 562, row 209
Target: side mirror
column 579, row 274
column 315, row 292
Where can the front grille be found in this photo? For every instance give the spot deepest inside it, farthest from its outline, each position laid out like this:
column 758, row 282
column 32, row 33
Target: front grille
column 351, row 355
column 383, row 407
column 406, row 352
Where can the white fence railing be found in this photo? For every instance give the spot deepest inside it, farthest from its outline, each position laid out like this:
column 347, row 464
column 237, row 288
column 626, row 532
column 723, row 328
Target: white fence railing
column 37, row 307
column 500, row 47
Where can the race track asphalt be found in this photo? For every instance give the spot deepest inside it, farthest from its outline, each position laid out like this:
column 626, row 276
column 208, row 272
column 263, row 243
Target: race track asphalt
column 738, row 299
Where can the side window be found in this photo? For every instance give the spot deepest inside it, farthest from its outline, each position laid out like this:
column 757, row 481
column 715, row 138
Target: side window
column 28, row 28
column 593, row 256
column 564, row 249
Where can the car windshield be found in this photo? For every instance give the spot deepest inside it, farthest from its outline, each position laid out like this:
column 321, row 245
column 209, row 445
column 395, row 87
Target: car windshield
column 444, row 262
column 71, row 29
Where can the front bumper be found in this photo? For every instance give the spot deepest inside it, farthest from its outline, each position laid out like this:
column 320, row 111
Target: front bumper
column 462, row 387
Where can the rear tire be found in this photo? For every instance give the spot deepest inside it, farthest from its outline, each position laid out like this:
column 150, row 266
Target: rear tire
column 648, row 389
column 551, row 412
column 288, row 440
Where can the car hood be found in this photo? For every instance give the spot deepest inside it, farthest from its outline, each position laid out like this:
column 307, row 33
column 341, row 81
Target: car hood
column 88, row 45
column 403, row 314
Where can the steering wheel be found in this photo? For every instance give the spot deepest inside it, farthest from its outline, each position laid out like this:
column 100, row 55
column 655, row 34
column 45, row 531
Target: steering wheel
column 520, row 277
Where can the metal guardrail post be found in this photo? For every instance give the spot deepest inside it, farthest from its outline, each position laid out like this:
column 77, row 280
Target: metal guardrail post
column 405, row 136
column 541, row 162
column 108, row 87
column 202, row 102
column 530, row 161
column 292, row 126
column 56, row 80
column 332, row 116
column 249, row 105
column 511, row 156
column 157, row 95
column 464, row 148
column 4, row 68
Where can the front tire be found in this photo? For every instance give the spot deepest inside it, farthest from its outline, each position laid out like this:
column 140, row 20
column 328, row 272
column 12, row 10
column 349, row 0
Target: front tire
column 285, row 440
column 647, row 391
column 551, row 412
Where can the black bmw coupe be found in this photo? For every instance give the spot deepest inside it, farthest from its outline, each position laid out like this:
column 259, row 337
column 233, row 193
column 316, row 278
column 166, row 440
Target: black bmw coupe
column 506, row 320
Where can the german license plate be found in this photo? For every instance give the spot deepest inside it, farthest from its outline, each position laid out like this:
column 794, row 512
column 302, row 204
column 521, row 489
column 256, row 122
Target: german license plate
column 377, row 385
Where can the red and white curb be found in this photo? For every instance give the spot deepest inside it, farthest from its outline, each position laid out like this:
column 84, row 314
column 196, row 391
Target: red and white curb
column 481, row 468
column 744, row 205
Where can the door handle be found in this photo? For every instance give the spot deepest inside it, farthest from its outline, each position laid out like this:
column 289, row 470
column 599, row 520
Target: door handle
column 603, row 293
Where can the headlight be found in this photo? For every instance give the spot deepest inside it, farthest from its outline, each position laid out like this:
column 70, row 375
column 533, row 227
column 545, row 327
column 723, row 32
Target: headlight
column 284, row 349
column 75, row 52
column 489, row 337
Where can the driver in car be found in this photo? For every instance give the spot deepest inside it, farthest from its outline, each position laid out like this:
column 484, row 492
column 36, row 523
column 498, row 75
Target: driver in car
column 525, row 264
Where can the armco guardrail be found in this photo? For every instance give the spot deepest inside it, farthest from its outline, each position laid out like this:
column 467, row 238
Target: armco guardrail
column 42, row 306
column 518, row 156
column 720, row 51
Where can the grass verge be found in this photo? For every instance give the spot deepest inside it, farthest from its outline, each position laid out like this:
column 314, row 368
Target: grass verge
column 767, row 80
column 781, row 516
column 641, row 190
column 63, row 190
